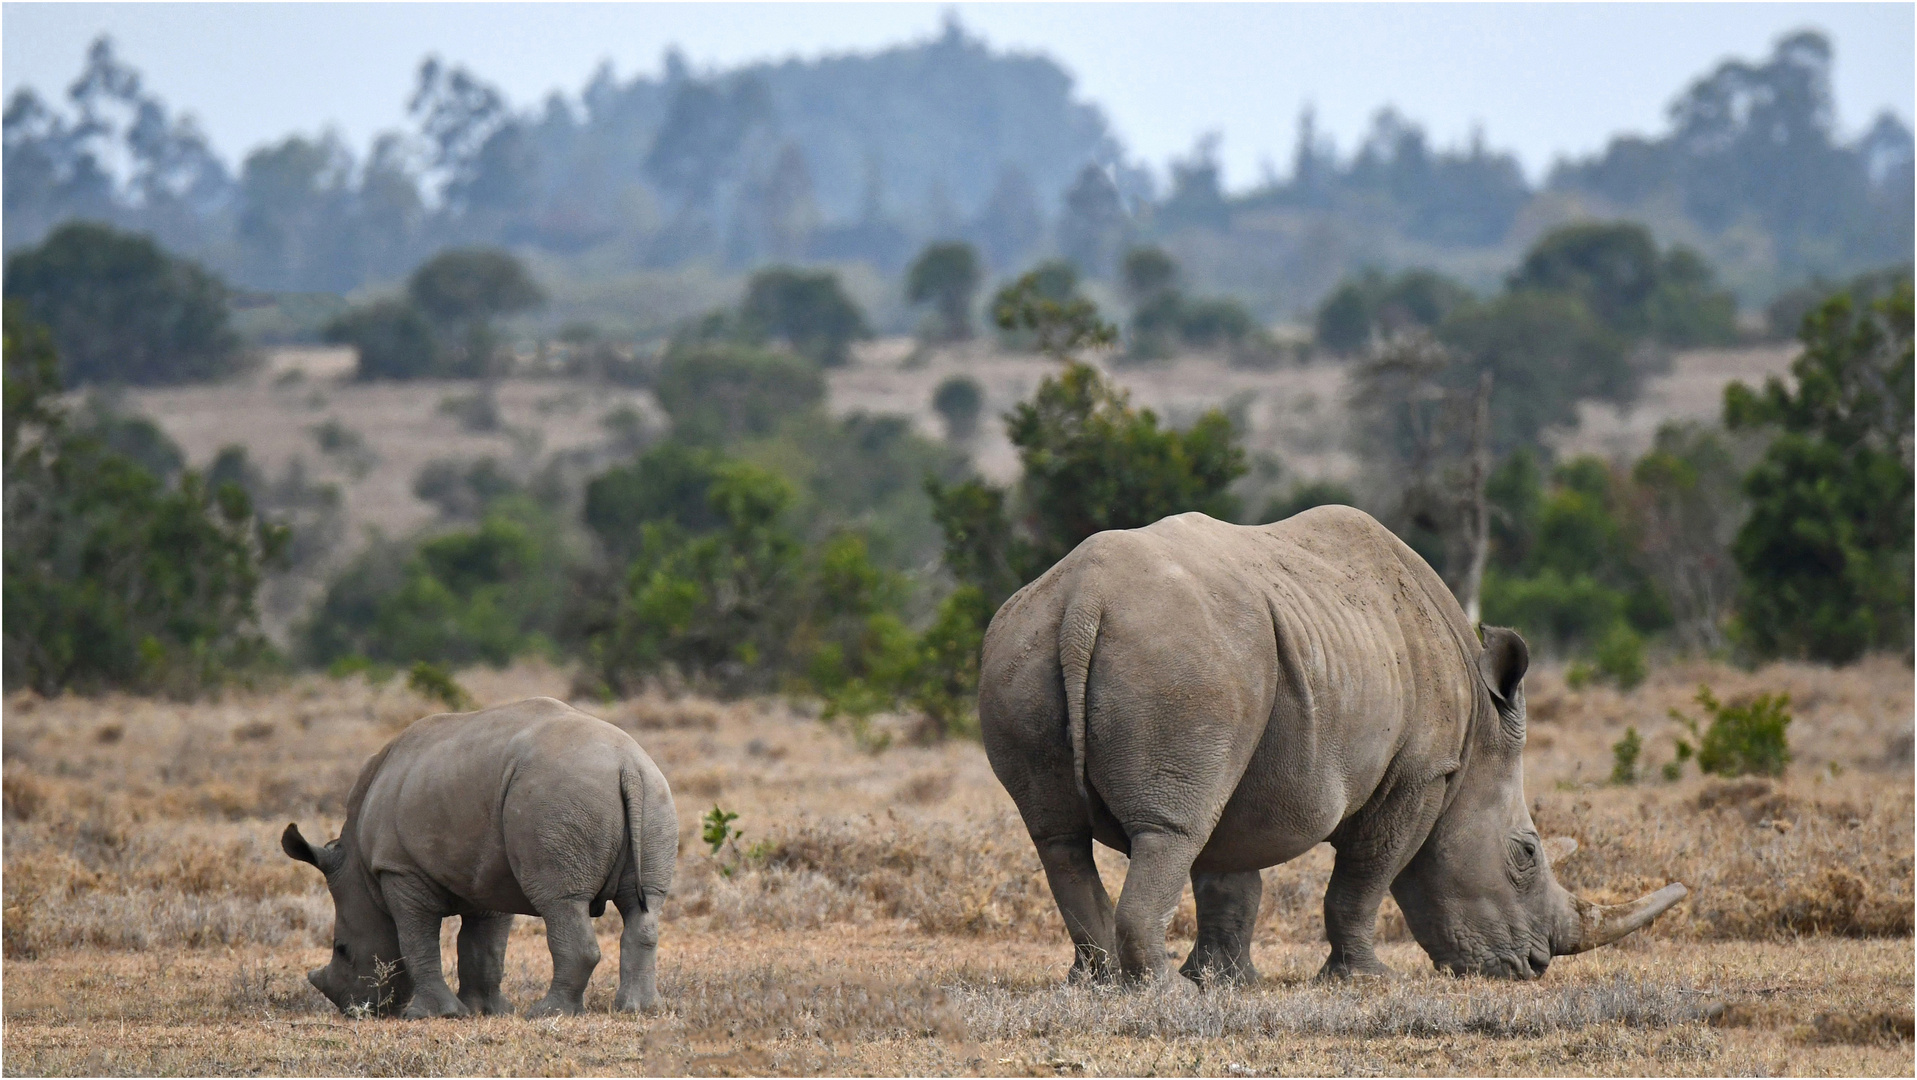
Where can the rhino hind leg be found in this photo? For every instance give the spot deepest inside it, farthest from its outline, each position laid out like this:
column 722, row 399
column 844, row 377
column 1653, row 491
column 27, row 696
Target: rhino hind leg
column 1227, row 915
column 638, row 953
column 1082, row 901
column 575, row 953
column 482, row 962
column 1153, row 885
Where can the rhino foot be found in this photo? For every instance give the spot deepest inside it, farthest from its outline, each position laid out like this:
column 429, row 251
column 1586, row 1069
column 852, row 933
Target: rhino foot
column 423, row 1007
column 549, row 1006
column 1336, row 969
column 493, row 1004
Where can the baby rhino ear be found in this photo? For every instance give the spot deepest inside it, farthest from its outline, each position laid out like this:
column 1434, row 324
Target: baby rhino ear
column 327, row 858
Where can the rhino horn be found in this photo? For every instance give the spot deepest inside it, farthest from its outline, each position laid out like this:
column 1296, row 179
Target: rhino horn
column 1601, row 924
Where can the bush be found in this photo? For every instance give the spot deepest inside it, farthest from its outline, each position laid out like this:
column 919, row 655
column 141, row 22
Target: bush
column 121, row 310
column 479, row 595
column 1624, row 755
column 947, row 275
column 115, row 579
column 719, row 393
column 959, row 400
column 1741, row 739
column 394, row 340
column 1826, row 552
column 807, row 311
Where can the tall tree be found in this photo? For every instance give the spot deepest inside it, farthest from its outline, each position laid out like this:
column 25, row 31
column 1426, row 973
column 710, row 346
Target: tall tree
column 947, row 276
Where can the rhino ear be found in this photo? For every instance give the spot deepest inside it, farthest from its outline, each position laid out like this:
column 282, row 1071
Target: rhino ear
column 327, row 858
column 1501, row 667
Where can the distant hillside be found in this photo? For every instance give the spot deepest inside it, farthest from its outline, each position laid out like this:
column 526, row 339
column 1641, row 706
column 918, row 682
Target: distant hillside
column 861, row 158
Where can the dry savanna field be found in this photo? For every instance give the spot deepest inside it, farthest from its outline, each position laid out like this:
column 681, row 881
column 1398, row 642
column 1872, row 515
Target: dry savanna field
column 884, row 912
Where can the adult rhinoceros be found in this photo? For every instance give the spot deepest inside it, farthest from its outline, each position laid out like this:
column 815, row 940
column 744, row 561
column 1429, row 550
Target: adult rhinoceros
column 1212, row 699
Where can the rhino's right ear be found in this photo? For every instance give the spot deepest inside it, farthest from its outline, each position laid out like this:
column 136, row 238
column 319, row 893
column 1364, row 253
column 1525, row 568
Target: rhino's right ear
column 1502, row 664
column 327, row 858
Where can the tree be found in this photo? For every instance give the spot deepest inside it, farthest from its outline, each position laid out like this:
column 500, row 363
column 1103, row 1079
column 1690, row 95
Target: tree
column 958, row 400
column 1826, row 552
column 115, row 579
column 124, row 311
column 394, row 340
column 1616, row 270
column 1372, row 306
column 948, row 276
column 1090, row 462
column 808, row 311
column 1043, row 307
column 463, row 292
column 1546, row 353
column 1684, row 514
column 719, row 393
column 1092, row 224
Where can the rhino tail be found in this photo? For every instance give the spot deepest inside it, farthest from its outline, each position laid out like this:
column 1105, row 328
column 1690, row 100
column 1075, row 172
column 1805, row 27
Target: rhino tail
column 1077, row 636
column 632, row 791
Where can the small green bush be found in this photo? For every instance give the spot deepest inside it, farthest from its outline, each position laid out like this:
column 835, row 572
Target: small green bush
column 1620, row 656
column 433, row 681
column 1741, row 740
column 1624, row 756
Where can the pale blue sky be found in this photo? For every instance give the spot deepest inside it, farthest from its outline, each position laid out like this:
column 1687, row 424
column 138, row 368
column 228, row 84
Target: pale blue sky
column 1543, row 80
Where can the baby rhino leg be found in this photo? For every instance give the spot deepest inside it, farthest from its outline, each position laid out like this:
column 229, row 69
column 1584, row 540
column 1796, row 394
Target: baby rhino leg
column 575, row 953
column 639, row 953
column 482, row 961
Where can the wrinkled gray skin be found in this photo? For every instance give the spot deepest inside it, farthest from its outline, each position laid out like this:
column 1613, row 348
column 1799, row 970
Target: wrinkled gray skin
column 532, row 808
column 1212, row 699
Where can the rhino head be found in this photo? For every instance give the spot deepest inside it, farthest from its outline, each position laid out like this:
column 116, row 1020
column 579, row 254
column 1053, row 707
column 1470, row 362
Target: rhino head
column 365, row 972
column 1479, row 896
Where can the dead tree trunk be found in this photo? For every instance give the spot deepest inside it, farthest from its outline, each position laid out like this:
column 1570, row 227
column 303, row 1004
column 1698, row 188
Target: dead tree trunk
column 1477, row 515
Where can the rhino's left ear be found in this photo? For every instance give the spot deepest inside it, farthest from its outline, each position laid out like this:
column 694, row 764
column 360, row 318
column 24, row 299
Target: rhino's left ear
column 1501, row 665
column 327, row 858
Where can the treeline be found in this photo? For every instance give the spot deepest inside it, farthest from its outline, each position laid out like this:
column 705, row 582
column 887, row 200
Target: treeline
column 764, row 545
column 868, row 158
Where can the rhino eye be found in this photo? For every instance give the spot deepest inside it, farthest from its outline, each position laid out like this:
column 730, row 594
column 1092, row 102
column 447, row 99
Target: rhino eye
column 1524, row 855
column 339, row 950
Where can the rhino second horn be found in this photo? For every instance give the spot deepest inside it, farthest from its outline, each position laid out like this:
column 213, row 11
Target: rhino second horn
column 1601, row 924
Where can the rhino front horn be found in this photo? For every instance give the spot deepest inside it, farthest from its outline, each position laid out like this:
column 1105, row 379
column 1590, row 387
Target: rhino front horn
column 1601, row 924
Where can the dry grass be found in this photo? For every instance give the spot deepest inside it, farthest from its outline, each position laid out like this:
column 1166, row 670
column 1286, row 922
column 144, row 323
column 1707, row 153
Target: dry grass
column 885, row 913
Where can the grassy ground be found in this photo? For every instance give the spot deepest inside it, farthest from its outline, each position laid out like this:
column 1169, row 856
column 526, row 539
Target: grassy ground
column 884, row 913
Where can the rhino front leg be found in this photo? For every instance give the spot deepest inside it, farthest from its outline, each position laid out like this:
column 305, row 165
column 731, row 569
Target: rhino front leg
column 1373, row 847
column 1082, row 901
column 638, row 954
column 1227, row 915
column 482, row 961
column 417, row 913
column 575, row 953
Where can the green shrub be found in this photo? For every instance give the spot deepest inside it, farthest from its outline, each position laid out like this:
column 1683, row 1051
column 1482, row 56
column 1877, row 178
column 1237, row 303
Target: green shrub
column 1620, row 656
column 113, row 578
column 1624, row 755
column 484, row 594
column 435, row 682
column 1741, row 739
column 719, row 393
column 1826, row 551
column 122, row 310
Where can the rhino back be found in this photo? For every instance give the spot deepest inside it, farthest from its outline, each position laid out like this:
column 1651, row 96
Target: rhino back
column 461, row 797
column 1302, row 661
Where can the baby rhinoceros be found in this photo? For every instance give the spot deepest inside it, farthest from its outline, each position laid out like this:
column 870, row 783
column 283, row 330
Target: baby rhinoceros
column 531, row 808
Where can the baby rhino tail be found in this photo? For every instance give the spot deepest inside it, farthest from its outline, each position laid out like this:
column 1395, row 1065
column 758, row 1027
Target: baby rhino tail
column 652, row 827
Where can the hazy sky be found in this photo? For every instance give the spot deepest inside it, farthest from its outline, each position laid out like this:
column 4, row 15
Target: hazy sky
column 1543, row 80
